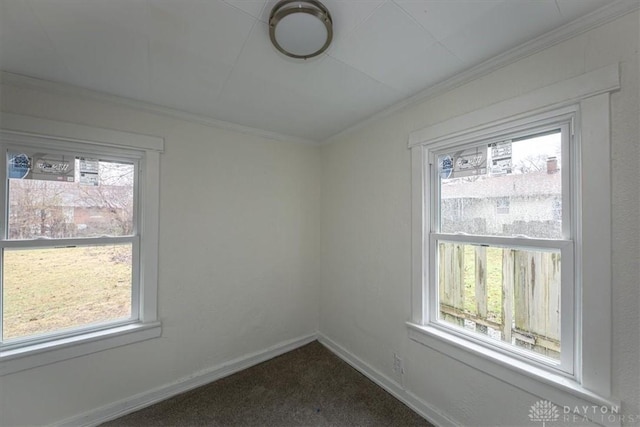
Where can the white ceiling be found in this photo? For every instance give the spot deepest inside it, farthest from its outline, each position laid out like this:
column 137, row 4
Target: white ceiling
column 213, row 58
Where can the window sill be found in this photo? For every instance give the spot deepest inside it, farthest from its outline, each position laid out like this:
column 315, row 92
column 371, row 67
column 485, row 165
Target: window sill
column 32, row 356
column 546, row 385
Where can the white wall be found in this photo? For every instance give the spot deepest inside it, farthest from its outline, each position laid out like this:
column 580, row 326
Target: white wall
column 249, row 245
column 366, row 241
column 239, row 249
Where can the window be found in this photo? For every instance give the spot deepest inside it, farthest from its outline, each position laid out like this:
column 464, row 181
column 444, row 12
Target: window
column 500, row 275
column 517, row 284
column 502, row 205
column 75, row 271
column 71, row 243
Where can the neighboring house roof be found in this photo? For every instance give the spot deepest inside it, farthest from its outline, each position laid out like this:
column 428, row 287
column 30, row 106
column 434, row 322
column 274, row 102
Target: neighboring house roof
column 491, row 186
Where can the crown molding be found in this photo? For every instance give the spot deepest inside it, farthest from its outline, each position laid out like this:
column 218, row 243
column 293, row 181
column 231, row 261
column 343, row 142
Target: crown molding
column 574, row 28
column 26, row 82
column 592, row 20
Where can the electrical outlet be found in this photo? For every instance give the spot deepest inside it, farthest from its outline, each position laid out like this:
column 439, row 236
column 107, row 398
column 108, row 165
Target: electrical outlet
column 397, row 364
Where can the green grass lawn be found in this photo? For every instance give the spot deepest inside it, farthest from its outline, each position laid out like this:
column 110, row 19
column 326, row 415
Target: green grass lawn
column 51, row 289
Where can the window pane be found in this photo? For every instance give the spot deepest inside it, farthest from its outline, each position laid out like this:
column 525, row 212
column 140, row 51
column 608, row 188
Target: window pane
column 46, row 290
column 504, row 189
column 51, row 196
column 511, row 295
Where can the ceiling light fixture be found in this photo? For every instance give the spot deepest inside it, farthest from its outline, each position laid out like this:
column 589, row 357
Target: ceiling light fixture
column 300, row 29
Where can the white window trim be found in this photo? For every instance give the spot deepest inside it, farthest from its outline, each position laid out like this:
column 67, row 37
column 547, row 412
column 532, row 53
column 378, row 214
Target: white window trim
column 589, row 96
column 17, row 128
column 562, row 119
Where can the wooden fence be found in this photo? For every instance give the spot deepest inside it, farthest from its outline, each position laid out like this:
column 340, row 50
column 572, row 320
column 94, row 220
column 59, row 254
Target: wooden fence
column 525, row 287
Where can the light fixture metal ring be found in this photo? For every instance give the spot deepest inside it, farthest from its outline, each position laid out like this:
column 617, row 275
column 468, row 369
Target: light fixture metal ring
column 318, row 10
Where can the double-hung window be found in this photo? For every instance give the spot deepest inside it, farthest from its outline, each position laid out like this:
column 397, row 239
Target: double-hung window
column 511, row 239
column 505, row 277
column 76, row 266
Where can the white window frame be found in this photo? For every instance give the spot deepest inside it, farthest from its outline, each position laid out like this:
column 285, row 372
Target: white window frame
column 563, row 120
column 142, row 150
column 586, row 100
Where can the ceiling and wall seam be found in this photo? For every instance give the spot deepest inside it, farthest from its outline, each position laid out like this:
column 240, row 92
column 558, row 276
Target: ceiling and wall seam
column 574, row 28
column 22, row 81
column 592, row 20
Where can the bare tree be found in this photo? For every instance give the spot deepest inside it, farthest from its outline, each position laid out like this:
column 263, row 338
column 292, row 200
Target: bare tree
column 531, row 163
column 41, row 208
column 36, row 209
column 112, row 197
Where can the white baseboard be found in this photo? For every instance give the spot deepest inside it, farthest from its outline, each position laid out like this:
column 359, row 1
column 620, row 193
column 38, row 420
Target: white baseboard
column 427, row 411
column 148, row 398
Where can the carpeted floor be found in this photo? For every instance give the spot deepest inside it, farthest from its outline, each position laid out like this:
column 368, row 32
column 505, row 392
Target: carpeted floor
column 309, row 386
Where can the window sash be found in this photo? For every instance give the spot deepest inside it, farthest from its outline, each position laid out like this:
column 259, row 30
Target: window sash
column 72, row 150
column 564, row 123
column 566, row 364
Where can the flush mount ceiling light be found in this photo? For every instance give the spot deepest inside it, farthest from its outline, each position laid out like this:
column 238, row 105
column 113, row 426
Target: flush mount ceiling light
column 300, row 29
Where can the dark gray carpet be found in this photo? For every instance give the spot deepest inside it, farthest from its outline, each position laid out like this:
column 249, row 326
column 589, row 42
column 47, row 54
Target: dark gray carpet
column 308, row 386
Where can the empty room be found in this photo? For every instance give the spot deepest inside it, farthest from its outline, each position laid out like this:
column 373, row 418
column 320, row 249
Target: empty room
column 332, row 213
